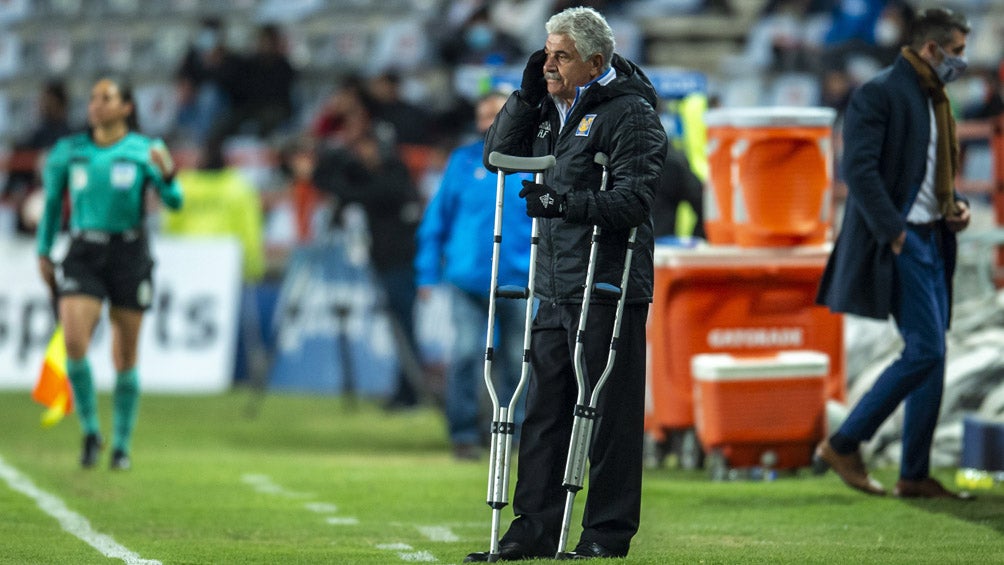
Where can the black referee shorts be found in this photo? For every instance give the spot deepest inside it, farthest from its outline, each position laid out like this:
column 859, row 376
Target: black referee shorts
column 118, row 267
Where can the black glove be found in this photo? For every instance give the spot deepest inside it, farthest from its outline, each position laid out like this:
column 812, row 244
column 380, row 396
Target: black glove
column 542, row 201
column 533, row 88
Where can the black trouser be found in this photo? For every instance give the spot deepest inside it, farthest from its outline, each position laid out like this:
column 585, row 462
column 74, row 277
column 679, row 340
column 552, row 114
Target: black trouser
column 613, row 499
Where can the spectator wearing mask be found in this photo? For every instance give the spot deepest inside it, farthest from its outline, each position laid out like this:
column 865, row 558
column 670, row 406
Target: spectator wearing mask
column 199, row 79
column 479, row 42
column 896, row 249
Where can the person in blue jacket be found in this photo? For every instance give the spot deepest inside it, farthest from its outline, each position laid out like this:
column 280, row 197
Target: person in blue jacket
column 895, row 253
column 455, row 250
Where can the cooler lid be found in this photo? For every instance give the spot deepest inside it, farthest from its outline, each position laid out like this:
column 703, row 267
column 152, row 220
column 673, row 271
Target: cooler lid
column 704, row 255
column 785, row 364
column 718, row 117
column 771, row 116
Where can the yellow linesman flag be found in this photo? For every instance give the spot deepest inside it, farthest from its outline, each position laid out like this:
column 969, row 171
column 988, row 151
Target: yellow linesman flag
column 53, row 387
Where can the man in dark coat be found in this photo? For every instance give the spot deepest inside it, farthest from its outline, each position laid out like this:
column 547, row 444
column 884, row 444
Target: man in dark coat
column 896, row 250
column 578, row 98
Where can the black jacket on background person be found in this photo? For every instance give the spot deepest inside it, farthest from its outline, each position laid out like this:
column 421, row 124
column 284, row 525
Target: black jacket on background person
column 383, row 187
column 884, row 168
column 616, row 119
column 679, row 184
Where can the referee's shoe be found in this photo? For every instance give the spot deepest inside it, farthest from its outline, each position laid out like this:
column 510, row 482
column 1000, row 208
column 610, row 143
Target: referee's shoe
column 120, row 461
column 90, row 451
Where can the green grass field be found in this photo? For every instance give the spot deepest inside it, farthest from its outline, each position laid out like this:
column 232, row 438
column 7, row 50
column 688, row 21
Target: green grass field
column 311, row 480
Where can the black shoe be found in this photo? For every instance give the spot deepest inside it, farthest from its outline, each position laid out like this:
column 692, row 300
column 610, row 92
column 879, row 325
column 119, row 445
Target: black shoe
column 508, row 551
column 90, row 451
column 593, row 550
column 466, row 452
column 400, row 403
column 120, row 461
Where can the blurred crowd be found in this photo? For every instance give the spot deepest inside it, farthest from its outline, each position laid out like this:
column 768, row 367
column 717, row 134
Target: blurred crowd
column 373, row 117
column 374, row 144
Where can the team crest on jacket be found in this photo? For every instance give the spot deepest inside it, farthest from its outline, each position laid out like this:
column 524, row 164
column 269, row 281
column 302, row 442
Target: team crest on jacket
column 585, row 125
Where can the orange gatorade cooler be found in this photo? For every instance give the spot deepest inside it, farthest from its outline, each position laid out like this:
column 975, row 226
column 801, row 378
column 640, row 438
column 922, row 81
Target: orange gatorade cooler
column 717, row 204
column 770, row 177
column 740, row 301
column 761, row 410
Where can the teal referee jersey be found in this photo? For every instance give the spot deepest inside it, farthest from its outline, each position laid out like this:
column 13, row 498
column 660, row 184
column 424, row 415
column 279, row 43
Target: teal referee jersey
column 105, row 183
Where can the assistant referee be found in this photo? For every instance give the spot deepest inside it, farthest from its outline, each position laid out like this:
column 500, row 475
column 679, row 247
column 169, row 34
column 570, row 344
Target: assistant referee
column 106, row 171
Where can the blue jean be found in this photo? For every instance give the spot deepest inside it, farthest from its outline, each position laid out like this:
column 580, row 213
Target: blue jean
column 917, row 377
column 465, row 370
column 399, row 288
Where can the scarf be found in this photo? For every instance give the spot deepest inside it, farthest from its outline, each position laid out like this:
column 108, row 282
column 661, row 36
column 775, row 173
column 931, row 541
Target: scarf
column 947, row 156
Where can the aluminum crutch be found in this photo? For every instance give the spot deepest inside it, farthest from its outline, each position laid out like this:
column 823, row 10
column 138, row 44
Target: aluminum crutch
column 585, row 415
column 503, row 426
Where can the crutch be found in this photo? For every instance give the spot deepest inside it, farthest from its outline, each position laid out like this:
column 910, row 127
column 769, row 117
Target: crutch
column 585, row 415
column 502, row 415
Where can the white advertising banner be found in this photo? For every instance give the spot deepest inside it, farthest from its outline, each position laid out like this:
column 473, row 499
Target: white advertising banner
column 188, row 340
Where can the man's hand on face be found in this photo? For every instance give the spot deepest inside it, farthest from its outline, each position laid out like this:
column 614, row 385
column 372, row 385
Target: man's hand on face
column 533, row 88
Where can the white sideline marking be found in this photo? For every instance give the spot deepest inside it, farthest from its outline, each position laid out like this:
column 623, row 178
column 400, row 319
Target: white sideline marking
column 71, row 522
column 321, row 507
column 465, row 525
column 418, row 556
column 342, row 521
column 405, row 553
column 264, row 485
column 438, row 533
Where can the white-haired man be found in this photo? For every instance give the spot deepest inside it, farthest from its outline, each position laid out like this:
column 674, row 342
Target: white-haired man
column 578, row 98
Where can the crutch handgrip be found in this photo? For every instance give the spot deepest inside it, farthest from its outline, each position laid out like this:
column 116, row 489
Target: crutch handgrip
column 601, row 159
column 512, row 292
column 606, row 290
column 515, row 164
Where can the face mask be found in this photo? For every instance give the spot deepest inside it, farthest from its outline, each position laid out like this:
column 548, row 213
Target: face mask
column 206, row 40
column 950, row 67
column 479, row 36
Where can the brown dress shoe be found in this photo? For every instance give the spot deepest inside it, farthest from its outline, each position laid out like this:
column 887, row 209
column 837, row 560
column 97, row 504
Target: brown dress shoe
column 850, row 468
column 927, row 488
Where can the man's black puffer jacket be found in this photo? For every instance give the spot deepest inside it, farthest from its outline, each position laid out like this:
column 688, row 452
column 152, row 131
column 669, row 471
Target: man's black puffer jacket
column 618, row 119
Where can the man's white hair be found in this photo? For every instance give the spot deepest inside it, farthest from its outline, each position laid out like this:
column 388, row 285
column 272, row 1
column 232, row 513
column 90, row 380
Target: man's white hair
column 588, row 30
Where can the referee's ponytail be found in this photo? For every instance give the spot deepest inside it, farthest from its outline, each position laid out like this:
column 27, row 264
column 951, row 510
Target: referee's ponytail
column 126, row 93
